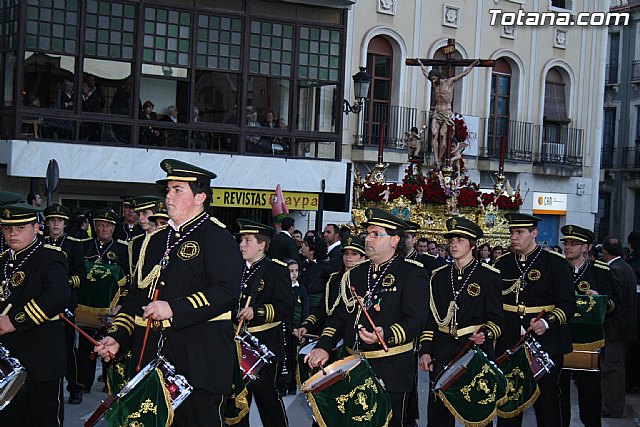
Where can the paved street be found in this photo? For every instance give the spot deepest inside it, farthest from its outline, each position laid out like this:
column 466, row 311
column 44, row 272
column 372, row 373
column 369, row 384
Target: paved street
column 300, row 414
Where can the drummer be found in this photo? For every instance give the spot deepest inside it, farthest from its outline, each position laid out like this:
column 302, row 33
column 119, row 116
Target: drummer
column 35, row 289
column 352, row 254
column 395, row 295
column 465, row 303
column 267, row 282
column 534, row 280
column 195, row 264
column 589, row 278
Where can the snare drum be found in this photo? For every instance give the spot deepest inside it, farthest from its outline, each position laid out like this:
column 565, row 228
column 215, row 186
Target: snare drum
column 253, row 356
column 12, row 376
column 348, row 393
column 472, row 387
column 539, row 360
column 176, row 386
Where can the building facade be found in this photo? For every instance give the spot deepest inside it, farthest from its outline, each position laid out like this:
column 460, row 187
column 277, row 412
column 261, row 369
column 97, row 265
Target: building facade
column 620, row 186
column 540, row 96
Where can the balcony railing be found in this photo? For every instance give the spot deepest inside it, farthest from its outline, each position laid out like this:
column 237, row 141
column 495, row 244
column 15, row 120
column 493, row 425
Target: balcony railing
column 520, row 138
column 560, row 145
column 389, row 121
column 635, row 71
column 632, row 157
column 611, row 74
column 608, row 158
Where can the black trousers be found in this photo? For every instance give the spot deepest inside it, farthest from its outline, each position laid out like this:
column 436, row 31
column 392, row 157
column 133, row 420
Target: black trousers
column 72, row 359
column 269, row 403
column 399, row 406
column 589, row 400
column 201, row 408
column 412, row 412
column 86, row 364
column 37, row 404
column 547, row 406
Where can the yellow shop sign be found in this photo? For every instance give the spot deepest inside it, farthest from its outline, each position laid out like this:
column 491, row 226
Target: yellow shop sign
column 260, row 199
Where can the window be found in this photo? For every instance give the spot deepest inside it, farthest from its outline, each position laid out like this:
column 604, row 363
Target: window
column 378, row 105
column 52, row 26
column 9, row 76
column 608, row 138
column 611, row 76
column 110, row 30
column 499, row 106
column 555, row 109
column 167, row 37
column 49, row 81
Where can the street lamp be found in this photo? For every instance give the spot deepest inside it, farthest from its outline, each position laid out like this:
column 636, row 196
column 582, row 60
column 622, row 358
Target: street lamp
column 361, row 83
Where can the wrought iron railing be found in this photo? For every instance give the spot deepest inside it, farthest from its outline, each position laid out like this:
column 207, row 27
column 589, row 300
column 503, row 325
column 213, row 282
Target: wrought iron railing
column 520, row 138
column 389, row 122
column 560, row 145
column 635, row 71
column 611, row 74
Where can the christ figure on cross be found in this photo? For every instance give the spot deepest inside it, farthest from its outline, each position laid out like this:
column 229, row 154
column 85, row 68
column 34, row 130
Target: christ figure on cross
column 441, row 117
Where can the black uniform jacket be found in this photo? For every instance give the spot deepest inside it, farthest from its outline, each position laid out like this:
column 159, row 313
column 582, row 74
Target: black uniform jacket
column 269, row 285
column 315, row 322
column 124, row 233
column 400, row 305
column 545, row 280
column 283, row 246
column 429, row 262
column 39, row 292
column 201, row 283
column 479, row 304
column 73, row 249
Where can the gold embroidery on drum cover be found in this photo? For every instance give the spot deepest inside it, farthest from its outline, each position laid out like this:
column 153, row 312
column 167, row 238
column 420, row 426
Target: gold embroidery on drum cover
column 388, row 280
column 17, row 278
column 534, row 275
column 473, row 289
column 361, row 400
column 480, row 383
column 511, row 391
column 584, row 286
column 189, row 250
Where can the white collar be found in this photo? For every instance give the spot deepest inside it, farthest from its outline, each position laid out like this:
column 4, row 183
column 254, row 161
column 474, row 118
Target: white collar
column 333, row 245
column 611, row 260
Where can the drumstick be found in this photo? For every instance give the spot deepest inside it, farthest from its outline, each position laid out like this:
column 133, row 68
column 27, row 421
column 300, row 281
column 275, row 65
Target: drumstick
column 373, row 325
column 156, row 293
column 242, row 320
column 6, row 310
column 512, row 350
column 84, row 334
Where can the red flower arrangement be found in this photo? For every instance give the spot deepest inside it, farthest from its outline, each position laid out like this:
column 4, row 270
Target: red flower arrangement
column 460, row 133
column 433, row 192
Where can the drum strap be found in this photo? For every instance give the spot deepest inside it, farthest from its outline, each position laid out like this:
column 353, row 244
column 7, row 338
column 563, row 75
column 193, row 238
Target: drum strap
column 377, row 354
column 522, row 309
column 461, row 331
column 260, row 328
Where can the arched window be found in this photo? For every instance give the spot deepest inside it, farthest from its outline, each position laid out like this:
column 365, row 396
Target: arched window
column 376, row 111
column 499, row 106
column 457, row 100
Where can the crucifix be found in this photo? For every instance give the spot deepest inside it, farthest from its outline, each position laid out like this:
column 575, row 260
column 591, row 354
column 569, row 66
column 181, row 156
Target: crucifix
column 441, row 116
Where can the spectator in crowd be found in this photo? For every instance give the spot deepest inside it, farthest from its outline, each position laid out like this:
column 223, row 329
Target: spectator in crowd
column 484, row 254
column 432, row 248
column 149, row 135
column 633, row 348
column 496, row 253
column 620, row 327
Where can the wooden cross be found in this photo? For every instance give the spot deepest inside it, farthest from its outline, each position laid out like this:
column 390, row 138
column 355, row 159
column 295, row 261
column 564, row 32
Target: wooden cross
column 449, row 62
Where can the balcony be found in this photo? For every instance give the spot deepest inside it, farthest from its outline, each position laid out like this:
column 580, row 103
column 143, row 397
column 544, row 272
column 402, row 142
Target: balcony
column 635, row 71
column 608, row 158
column 520, row 137
column 611, row 74
column 630, row 158
column 561, row 145
column 387, row 121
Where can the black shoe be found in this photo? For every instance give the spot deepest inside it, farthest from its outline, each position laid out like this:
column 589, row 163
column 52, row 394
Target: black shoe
column 75, row 398
column 87, row 389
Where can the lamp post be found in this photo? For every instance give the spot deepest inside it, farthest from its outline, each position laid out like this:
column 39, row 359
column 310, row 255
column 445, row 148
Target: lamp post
column 361, row 84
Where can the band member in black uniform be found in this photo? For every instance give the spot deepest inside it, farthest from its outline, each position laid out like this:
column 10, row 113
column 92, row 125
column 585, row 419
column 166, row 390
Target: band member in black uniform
column 196, row 265
column 56, row 219
column 429, row 262
column 145, row 207
column 267, row 282
column 395, row 293
column 534, row 280
column 589, row 278
column 315, row 271
column 103, row 250
column 127, row 227
column 352, row 254
column 35, row 289
column 464, row 297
